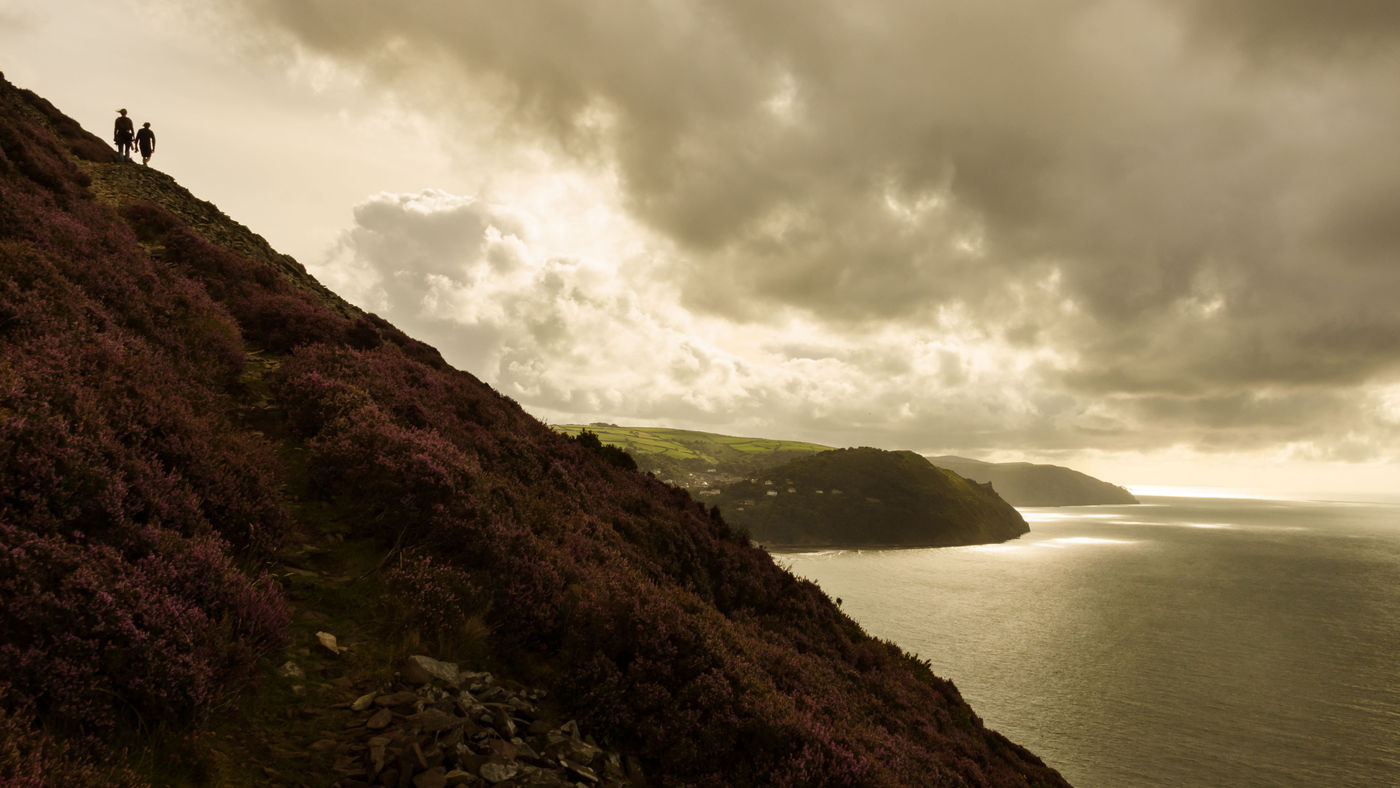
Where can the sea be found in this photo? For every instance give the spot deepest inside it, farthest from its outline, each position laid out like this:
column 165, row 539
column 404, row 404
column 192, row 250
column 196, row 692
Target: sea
column 1183, row 641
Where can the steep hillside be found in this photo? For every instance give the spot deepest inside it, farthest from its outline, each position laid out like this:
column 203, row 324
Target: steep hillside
column 209, row 465
column 693, row 459
column 1027, row 484
column 867, row 498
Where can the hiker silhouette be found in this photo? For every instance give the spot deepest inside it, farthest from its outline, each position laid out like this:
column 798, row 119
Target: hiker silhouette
column 146, row 141
column 123, row 134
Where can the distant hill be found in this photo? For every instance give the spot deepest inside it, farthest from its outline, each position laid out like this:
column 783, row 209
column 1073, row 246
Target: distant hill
column 693, row 459
column 867, row 498
column 1028, row 484
column 705, row 461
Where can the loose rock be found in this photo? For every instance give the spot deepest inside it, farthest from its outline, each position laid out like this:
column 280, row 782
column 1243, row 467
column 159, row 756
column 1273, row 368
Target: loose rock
column 421, row 669
column 380, row 719
column 328, row 642
column 434, row 740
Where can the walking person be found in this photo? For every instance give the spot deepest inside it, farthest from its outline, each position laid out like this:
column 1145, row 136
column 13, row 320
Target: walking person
column 146, row 141
column 123, row 134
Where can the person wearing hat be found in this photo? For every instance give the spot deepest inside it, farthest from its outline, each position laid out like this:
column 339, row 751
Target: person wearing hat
column 146, row 141
column 123, row 134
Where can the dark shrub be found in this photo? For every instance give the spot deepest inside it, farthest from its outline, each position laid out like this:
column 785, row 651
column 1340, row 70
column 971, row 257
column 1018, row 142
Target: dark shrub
column 434, row 598
column 94, row 636
column 403, row 478
column 31, row 757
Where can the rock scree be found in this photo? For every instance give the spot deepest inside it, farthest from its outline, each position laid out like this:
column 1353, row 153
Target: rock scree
column 437, row 725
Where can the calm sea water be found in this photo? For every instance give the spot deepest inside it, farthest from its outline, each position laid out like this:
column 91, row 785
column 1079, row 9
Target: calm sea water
column 1181, row 642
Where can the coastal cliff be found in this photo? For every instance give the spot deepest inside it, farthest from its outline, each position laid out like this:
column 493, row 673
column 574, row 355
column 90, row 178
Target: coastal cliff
column 867, row 497
column 1029, row 484
column 216, row 476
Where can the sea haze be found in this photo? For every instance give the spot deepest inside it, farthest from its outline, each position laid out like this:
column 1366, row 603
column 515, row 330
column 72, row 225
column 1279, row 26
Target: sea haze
column 1184, row 641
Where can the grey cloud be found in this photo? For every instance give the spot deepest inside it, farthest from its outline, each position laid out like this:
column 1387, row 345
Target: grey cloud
column 1210, row 185
column 1289, row 27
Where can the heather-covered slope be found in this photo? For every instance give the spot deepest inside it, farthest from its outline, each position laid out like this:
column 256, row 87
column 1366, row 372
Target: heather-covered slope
column 867, row 498
column 181, row 408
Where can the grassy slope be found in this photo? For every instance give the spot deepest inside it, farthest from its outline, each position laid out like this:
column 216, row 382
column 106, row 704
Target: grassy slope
column 677, row 454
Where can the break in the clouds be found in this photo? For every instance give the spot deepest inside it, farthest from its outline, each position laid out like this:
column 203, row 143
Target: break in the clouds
column 593, row 339
column 1080, row 223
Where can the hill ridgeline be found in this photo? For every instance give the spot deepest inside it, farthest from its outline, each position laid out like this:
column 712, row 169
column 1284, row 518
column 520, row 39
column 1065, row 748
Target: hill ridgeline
column 1027, row 484
column 867, row 498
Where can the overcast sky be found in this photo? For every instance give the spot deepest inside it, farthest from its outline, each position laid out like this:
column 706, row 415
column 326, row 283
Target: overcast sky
column 1156, row 240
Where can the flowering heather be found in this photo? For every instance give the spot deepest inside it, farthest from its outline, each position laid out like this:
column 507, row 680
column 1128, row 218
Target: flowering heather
column 93, row 635
column 31, row 757
column 432, row 595
column 126, row 482
column 671, row 632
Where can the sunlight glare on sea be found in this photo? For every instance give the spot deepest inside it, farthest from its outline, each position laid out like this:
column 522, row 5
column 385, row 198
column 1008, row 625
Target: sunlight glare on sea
column 1216, row 641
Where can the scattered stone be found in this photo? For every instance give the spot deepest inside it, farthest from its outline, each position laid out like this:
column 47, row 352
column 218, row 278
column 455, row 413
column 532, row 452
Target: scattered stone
column 397, row 699
column 291, row 670
column 378, row 747
column 491, row 694
column 433, row 720
column 503, row 723
column 418, row 757
column 328, row 642
column 498, row 772
column 380, row 720
column 420, row 669
column 582, row 772
column 429, row 737
column 503, row 750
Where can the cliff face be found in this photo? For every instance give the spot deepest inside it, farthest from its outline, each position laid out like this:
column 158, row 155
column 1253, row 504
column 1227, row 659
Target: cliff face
column 1028, row 484
column 183, row 409
column 867, row 498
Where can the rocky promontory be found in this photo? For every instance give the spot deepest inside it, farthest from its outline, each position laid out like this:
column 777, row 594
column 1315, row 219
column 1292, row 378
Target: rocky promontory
column 1030, row 484
column 867, row 498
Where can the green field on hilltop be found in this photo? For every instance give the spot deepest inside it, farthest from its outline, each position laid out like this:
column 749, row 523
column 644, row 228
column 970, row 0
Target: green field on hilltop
column 686, row 456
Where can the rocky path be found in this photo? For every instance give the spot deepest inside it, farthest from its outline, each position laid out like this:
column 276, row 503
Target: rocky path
column 436, row 726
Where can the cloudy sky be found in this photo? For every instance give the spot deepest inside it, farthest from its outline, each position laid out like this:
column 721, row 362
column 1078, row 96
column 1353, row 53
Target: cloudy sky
column 1156, row 240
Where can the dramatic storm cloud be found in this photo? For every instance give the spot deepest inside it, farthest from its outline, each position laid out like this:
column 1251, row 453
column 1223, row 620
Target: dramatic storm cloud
column 1193, row 202
column 1032, row 227
column 571, row 337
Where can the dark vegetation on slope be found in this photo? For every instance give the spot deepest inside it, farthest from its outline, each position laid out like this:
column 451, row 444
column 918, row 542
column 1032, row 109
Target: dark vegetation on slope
column 867, row 498
column 182, row 411
column 1028, row 484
